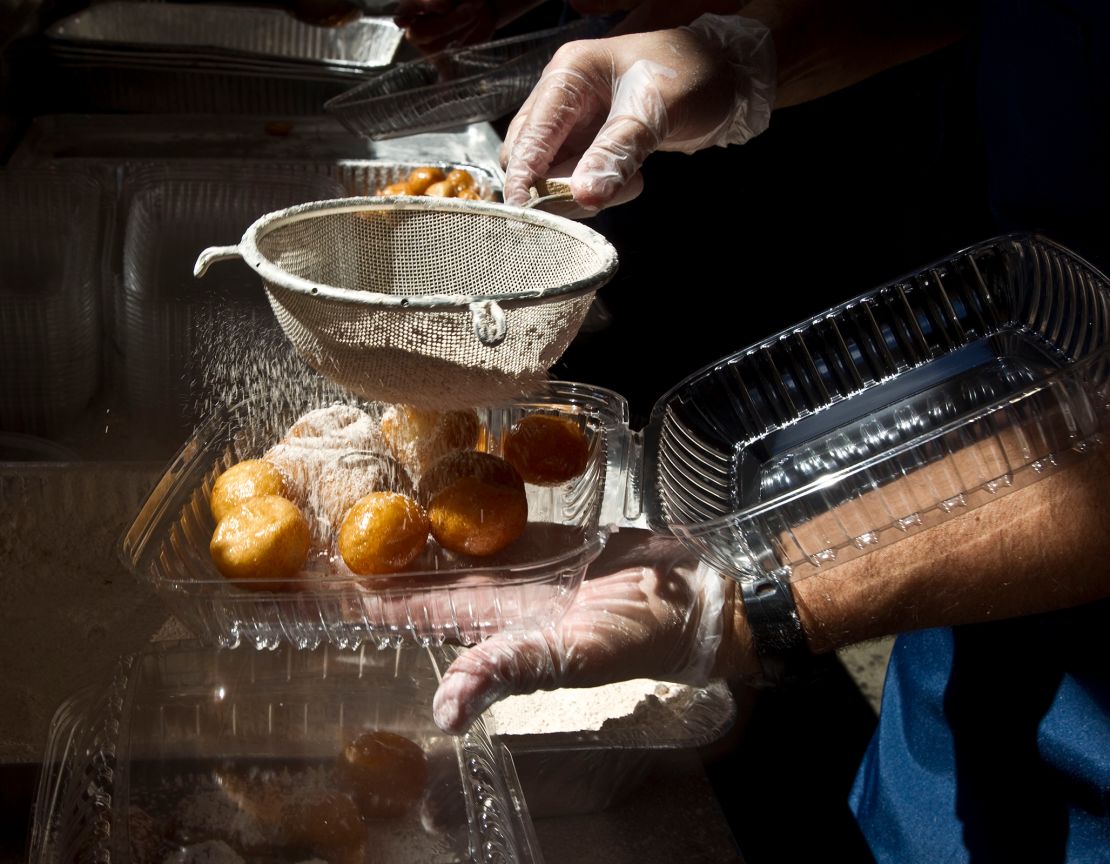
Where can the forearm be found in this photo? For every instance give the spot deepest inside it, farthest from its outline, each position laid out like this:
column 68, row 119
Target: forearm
column 823, row 46
column 1041, row 548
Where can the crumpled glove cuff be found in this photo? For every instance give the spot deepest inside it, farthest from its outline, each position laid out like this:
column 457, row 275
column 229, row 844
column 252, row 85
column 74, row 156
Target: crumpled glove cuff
column 749, row 49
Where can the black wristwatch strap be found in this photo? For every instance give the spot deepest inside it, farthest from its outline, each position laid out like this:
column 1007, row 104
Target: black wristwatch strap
column 776, row 629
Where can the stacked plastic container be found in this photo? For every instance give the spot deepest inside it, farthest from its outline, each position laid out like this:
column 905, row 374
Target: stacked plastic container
column 210, row 58
column 50, row 298
column 172, row 333
column 195, row 755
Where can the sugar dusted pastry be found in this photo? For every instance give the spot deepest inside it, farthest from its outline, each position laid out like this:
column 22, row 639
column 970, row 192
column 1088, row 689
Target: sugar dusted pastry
column 418, row 437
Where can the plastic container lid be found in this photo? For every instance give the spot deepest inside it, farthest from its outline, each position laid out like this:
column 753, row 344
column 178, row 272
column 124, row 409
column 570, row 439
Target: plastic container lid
column 194, row 754
column 901, row 408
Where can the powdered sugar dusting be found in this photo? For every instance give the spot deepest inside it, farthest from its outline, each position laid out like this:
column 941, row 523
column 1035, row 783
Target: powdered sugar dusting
column 585, row 709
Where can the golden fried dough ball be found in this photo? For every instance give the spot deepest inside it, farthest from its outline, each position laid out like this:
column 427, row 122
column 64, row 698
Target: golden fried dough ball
column 418, row 437
column 469, row 195
column 335, row 427
column 547, row 450
column 420, row 179
column 401, row 188
column 467, row 463
column 475, row 501
column 461, row 179
column 329, row 825
column 442, row 189
column 261, row 539
column 385, row 773
column 382, row 533
column 476, row 518
column 243, row 481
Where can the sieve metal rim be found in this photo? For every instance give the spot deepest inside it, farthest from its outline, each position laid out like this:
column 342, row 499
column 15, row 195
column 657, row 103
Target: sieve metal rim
column 247, row 249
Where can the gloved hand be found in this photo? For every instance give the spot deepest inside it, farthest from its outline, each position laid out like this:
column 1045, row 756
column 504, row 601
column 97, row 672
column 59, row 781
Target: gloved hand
column 654, row 611
column 433, row 25
column 606, row 104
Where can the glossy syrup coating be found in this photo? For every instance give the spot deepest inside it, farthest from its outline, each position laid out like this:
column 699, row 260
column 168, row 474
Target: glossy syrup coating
column 244, row 480
column 401, row 188
column 260, row 540
column 421, row 178
column 384, row 772
column 418, row 437
column 382, row 533
column 442, row 189
column 547, row 450
column 461, row 179
column 476, row 503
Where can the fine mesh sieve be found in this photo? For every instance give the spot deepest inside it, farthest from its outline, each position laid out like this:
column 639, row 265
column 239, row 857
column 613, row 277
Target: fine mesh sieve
column 437, row 302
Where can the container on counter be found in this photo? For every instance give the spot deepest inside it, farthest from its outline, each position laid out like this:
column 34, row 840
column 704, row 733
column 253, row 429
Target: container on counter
column 193, row 754
column 207, row 58
column 179, row 340
column 440, row 596
column 50, row 297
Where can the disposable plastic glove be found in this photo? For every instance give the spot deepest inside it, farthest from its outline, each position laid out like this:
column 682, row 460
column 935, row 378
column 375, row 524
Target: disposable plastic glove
column 606, row 104
column 653, row 612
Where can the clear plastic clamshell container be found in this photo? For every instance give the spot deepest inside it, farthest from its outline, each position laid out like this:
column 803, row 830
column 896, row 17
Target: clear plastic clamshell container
column 908, row 405
column 195, row 754
column 208, row 58
column 439, row 597
column 51, row 244
column 198, row 31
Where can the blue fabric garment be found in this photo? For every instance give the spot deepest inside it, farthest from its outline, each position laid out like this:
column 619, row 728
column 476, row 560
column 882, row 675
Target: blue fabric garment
column 993, row 744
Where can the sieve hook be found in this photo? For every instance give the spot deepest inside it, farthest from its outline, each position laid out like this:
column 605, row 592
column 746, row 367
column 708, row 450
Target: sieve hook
column 489, row 322
column 212, row 254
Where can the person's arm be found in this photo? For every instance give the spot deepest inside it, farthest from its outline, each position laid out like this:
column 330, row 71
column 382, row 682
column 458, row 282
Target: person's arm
column 652, row 611
column 1038, row 549
column 604, row 105
column 823, row 47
